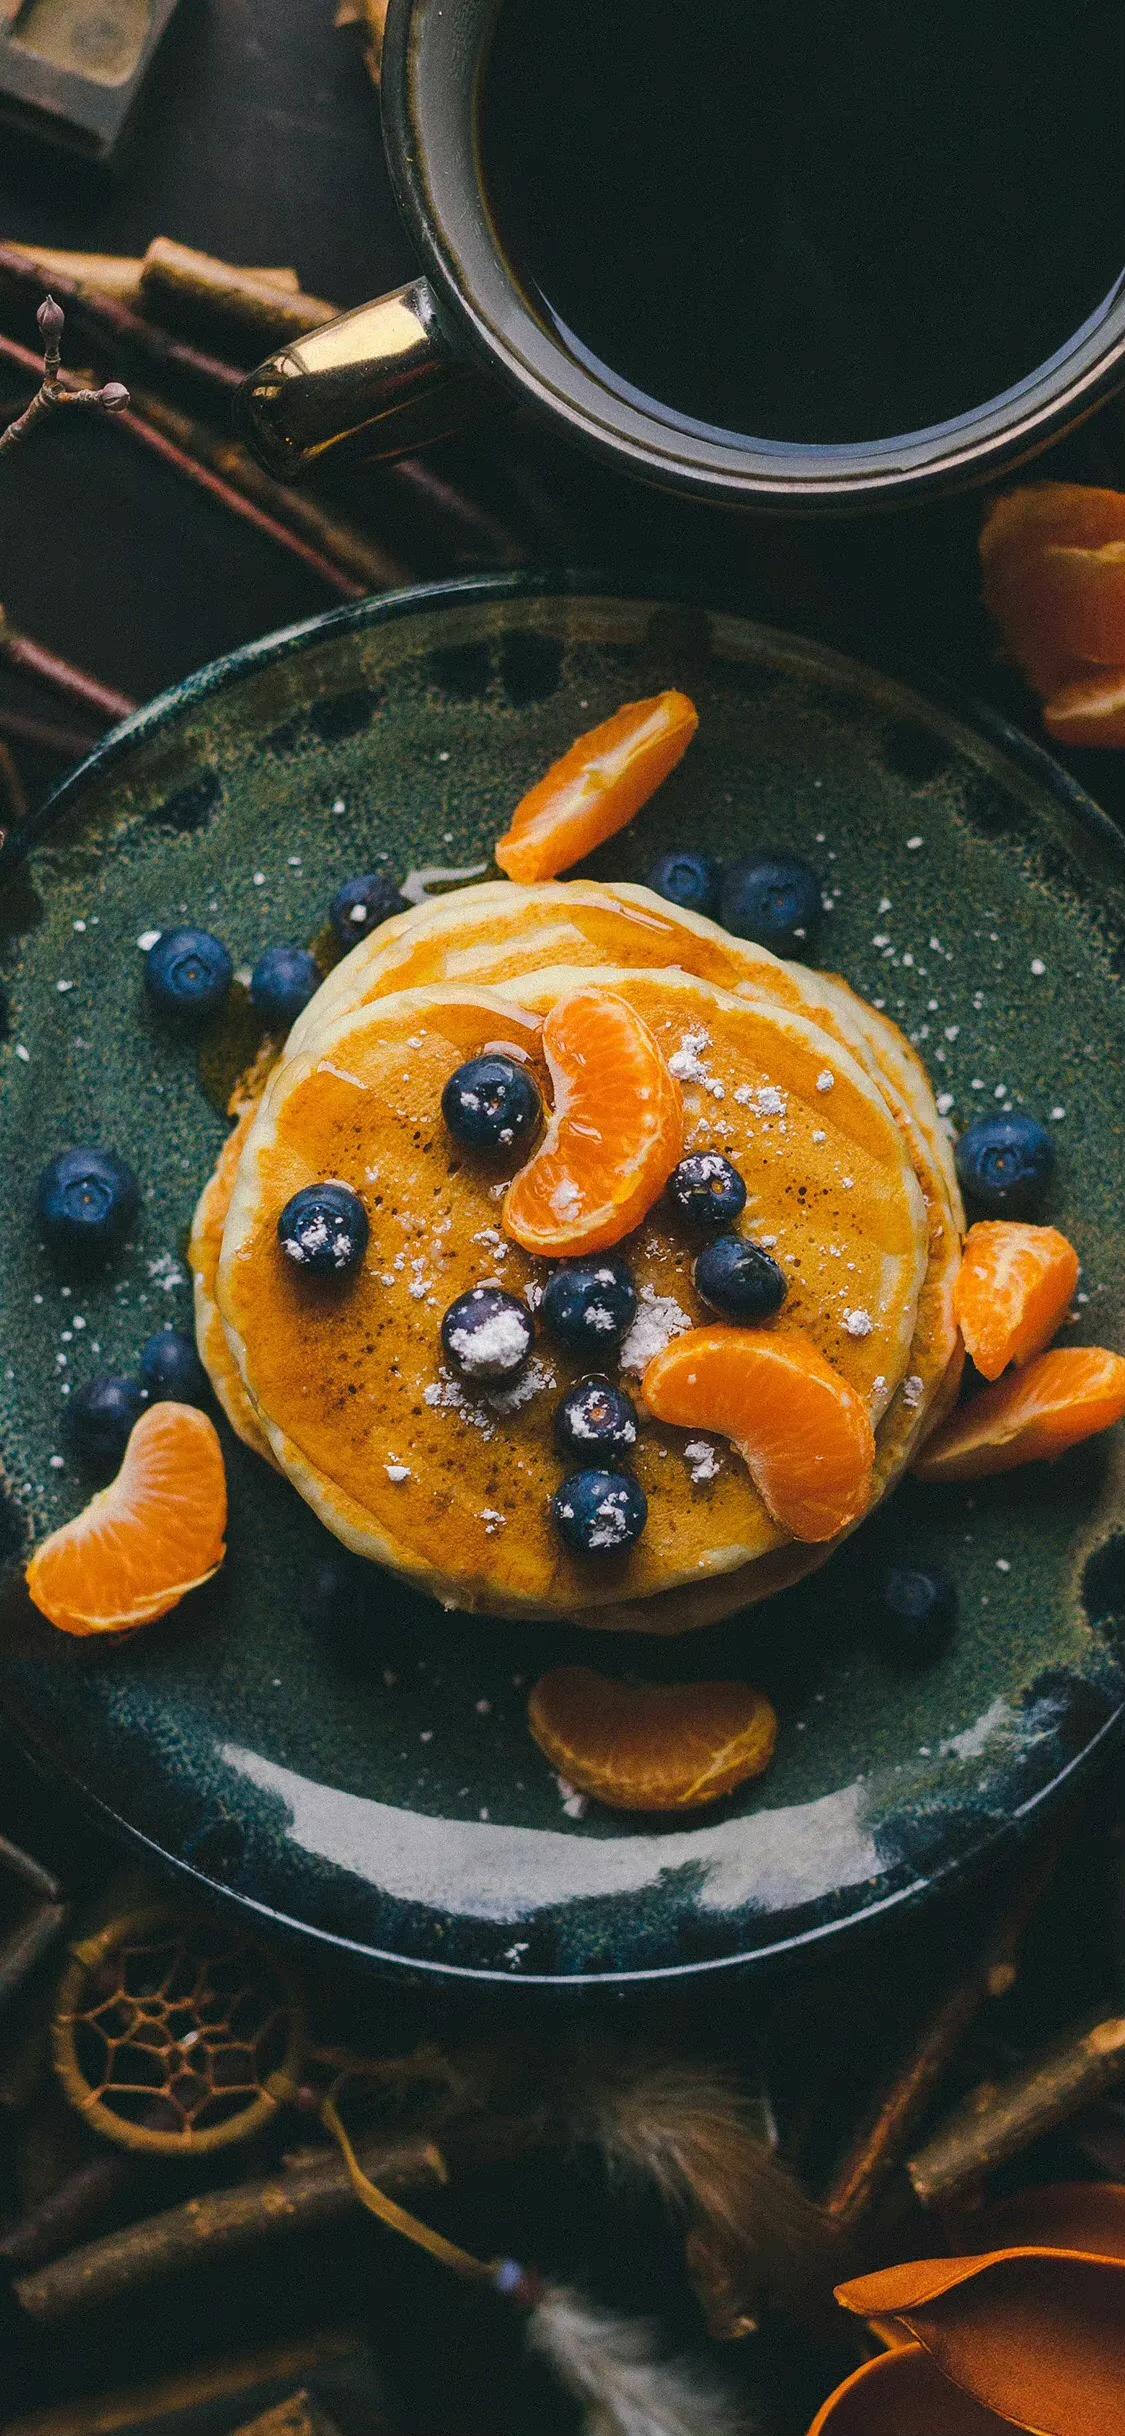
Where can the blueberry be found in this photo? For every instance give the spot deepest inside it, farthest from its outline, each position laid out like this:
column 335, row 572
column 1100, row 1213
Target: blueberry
column 773, row 899
column 740, row 1280
column 596, row 1417
column 86, row 1200
column 487, row 1334
column 599, row 1513
column 1005, row 1164
column 324, row 1229
column 688, row 879
column 188, row 973
column 915, row 1614
column 99, row 1420
column 360, row 905
column 707, row 1191
column 170, row 1369
column 491, row 1103
column 281, row 985
column 590, row 1304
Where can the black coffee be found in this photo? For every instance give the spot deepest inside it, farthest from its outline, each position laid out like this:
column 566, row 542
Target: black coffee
column 818, row 220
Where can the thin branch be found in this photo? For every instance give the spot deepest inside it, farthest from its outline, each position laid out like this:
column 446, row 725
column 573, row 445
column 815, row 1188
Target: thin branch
column 53, row 391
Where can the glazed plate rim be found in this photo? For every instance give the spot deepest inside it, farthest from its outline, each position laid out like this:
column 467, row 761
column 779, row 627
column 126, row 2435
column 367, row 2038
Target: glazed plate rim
column 848, row 659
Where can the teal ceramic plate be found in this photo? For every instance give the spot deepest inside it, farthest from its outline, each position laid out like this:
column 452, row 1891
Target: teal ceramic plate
column 372, row 1781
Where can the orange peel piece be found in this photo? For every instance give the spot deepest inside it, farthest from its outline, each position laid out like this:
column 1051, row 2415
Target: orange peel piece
column 1053, row 567
column 1031, row 1416
column 900, row 2393
column 141, row 1544
column 1035, row 2335
column 1088, row 709
column 597, row 787
column 802, row 1431
column 614, row 1136
column 1013, row 1291
column 651, row 1746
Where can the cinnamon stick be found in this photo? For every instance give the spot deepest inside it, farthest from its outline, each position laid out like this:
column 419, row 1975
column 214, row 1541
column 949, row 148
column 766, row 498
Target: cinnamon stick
column 303, row 2198
column 998, row 2121
column 884, row 2138
column 311, row 2191
column 117, row 275
column 105, row 318
column 180, row 277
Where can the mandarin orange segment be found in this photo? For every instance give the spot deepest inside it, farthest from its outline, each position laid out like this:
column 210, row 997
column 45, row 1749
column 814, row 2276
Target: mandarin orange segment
column 141, row 1544
column 1089, row 709
column 615, row 1133
column 1013, row 1291
column 651, row 1746
column 1053, row 564
column 802, row 1431
column 1029, row 1417
column 597, row 787
column 1079, row 600
column 1037, row 513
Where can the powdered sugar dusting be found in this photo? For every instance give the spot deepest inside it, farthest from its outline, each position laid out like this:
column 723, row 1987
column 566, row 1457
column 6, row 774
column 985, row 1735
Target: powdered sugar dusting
column 858, row 1323
column 688, row 1064
column 659, row 1318
column 765, row 1100
column 509, row 1398
column 702, row 1460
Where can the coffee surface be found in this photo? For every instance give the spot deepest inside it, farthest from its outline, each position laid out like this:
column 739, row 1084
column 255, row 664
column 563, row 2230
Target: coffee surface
column 803, row 220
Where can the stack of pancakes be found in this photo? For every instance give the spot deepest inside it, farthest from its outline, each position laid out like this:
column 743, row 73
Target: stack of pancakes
column 817, row 1099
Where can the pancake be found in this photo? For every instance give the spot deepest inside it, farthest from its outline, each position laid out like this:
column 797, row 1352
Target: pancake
column 204, row 1247
column 491, row 930
column 342, row 1388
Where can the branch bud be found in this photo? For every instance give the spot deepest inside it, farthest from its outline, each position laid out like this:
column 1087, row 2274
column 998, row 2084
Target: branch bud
column 51, row 320
column 113, row 395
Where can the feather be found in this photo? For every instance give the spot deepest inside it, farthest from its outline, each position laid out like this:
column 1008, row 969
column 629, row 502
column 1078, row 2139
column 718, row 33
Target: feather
column 613, row 2367
column 754, row 2238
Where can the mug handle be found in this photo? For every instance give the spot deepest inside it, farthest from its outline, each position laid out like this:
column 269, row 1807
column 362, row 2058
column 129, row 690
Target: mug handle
column 377, row 383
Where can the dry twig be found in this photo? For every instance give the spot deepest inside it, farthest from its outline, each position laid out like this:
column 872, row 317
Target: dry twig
column 54, row 391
